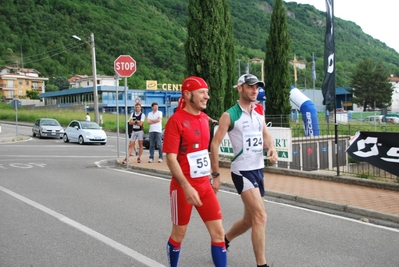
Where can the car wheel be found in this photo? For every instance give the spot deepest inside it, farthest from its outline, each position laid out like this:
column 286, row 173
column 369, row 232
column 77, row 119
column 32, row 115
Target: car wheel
column 33, row 134
column 65, row 138
column 81, row 140
column 40, row 135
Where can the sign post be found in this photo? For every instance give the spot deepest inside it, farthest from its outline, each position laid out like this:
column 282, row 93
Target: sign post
column 15, row 103
column 125, row 66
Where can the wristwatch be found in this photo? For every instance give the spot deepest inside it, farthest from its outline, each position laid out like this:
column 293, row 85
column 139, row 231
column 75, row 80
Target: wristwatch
column 215, row 175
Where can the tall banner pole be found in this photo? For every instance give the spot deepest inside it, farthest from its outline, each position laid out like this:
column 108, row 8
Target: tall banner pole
column 328, row 87
column 313, row 76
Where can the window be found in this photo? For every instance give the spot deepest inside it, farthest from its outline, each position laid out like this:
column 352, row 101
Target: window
column 27, row 83
column 20, row 82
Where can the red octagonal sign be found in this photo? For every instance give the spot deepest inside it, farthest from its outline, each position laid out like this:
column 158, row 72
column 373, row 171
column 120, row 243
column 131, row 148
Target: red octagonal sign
column 125, row 66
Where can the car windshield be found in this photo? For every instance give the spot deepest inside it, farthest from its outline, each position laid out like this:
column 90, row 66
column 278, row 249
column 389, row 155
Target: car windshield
column 50, row 123
column 90, row 125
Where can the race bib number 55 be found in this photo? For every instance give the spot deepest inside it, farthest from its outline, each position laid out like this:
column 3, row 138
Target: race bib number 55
column 199, row 163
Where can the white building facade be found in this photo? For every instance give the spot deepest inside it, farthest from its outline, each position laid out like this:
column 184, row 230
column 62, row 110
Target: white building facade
column 395, row 94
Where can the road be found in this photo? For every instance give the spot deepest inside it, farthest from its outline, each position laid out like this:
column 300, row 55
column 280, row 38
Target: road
column 69, row 205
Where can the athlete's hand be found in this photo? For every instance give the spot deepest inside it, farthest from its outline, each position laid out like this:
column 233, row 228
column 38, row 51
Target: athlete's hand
column 216, row 185
column 192, row 195
column 272, row 155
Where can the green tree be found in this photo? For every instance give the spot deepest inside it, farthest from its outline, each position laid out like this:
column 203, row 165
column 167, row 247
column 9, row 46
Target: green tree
column 62, row 83
column 277, row 74
column 370, row 85
column 51, row 88
column 32, row 94
column 205, row 49
column 231, row 95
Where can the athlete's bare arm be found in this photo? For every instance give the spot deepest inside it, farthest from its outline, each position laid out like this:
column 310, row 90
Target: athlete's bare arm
column 224, row 124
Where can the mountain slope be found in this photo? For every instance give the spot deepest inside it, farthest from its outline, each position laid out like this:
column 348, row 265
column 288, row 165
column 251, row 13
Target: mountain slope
column 37, row 34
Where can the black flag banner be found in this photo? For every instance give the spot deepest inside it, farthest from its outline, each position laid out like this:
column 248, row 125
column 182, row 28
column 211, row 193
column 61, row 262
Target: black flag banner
column 380, row 149
column 328, row 87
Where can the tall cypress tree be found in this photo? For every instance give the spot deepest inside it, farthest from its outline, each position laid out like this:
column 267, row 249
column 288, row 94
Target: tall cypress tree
column 277, row 76
column 207, row 49
column 231, row 94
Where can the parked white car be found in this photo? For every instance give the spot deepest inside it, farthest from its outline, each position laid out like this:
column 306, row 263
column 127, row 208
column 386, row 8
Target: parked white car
column 372, row 119
column 84, row 132
column 392, row 119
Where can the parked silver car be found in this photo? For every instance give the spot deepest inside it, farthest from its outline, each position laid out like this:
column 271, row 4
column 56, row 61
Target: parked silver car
column 47, row 127
column 84, row 132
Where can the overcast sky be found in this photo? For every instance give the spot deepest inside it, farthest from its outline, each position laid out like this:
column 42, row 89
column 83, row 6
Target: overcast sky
column 379, row 19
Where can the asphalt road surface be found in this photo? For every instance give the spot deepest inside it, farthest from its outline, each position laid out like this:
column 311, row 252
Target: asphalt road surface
column 67, row 205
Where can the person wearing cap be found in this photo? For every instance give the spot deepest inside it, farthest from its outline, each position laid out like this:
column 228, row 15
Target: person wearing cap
column 188, row 135
column 246, row 127
column 136, row 121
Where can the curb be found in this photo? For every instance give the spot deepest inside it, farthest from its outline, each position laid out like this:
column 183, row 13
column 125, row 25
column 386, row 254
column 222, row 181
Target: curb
column 293, row 198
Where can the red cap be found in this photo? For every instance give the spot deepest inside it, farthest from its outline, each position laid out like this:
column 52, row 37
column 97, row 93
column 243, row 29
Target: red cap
column 190, row 84
column 193, row 83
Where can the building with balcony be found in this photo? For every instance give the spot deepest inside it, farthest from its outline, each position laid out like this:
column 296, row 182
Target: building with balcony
column 15, row 81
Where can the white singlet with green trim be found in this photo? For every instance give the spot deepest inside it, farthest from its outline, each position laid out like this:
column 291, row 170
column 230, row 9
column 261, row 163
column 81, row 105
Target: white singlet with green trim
column 246, row 137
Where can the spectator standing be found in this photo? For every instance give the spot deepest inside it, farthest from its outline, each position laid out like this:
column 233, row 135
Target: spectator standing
column 154, row 119
column 136, row 120
column 87, row 117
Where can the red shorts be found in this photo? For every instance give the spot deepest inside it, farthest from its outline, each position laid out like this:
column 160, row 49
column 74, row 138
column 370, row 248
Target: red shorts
column 181, row 209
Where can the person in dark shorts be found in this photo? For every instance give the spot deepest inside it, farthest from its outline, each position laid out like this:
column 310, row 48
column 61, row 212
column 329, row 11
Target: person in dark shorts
column 246, row 127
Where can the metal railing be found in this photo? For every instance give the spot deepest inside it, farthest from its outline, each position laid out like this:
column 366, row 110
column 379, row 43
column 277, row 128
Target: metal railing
column 321, row 154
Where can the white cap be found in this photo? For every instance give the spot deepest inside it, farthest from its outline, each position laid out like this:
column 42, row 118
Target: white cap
column 249, row 79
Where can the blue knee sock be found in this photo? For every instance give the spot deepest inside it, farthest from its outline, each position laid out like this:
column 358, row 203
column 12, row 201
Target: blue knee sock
column 219, row 255
column 173, row 251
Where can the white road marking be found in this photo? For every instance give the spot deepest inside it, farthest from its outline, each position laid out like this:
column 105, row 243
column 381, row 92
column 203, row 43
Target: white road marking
column 112, row 243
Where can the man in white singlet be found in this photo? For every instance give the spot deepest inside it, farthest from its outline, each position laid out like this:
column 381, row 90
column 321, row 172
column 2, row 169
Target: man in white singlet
column 246, row 127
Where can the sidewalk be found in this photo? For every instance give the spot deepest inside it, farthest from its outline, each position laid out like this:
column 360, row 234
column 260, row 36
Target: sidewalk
column 367, row 202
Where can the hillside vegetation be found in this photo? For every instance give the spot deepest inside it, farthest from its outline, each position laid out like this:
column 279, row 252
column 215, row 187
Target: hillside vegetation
column 37, row 34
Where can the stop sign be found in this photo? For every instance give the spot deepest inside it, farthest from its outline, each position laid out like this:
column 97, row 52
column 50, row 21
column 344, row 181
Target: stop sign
column 125, row 66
